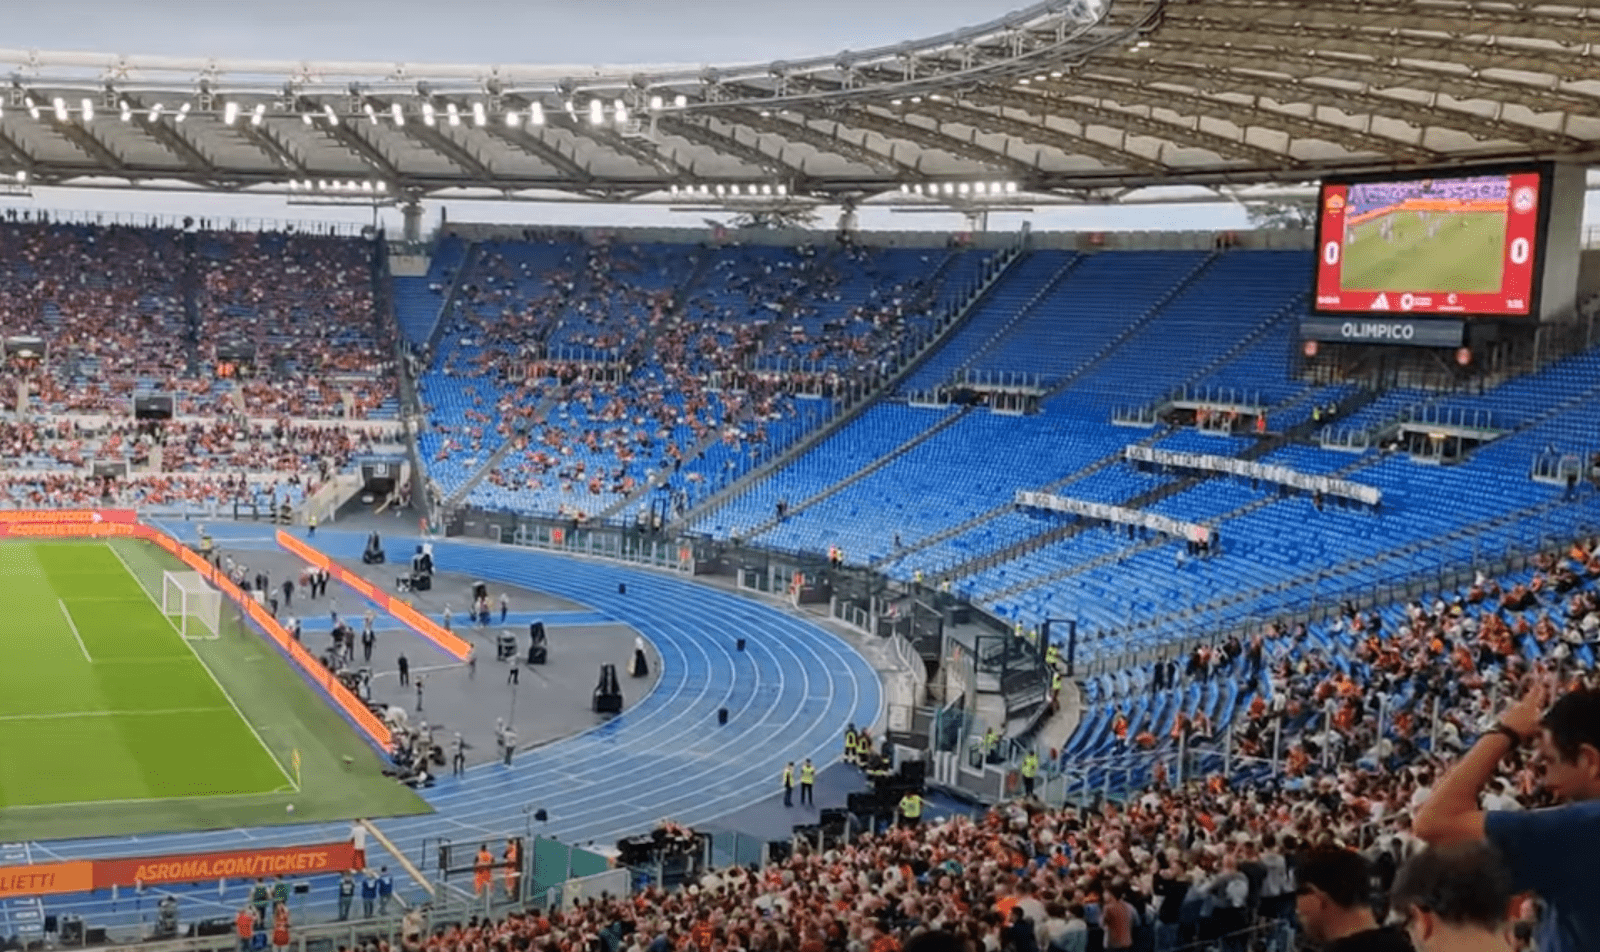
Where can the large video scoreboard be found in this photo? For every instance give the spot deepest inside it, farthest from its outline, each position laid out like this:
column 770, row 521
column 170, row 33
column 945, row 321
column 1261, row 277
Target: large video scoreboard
column 1464, row 243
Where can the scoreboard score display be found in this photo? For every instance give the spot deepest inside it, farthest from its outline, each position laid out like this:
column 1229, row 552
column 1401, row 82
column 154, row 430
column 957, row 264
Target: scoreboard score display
column 1458, row 244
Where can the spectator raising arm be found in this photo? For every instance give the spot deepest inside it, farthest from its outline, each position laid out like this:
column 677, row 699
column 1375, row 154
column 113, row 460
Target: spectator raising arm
column 1451, row 814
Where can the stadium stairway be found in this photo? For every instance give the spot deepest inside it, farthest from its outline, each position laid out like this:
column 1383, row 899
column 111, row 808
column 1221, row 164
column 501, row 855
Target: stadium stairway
column 790, row 695
column 1024, row 312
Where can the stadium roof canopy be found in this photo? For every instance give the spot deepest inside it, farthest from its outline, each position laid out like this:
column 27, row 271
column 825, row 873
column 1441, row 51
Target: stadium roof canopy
column 1088, row 100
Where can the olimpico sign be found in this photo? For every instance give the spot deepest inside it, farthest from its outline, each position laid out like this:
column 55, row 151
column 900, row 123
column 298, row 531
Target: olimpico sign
column 1419, row 333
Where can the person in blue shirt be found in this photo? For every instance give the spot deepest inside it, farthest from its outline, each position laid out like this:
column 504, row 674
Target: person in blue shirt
column 385, row 890
column 369, row 894
column 1550, row 852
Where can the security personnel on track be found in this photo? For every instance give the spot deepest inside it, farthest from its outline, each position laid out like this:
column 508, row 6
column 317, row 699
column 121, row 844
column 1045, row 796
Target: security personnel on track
column 808, row 777
column 1030, row 772
column 911, row 809
column 482, row 870
column 788, row 784
column 1052, row 655
column 850, row 743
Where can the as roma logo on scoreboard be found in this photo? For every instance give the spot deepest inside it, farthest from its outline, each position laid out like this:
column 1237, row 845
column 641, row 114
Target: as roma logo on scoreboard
column 1335, row 203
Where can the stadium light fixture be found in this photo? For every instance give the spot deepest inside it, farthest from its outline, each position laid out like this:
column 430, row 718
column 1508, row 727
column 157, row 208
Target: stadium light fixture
column 1011, row 188
column 513, row 118
column 429, row 114
column 183, row 113
column 619, row 112
column 398, row 114
column 305, row 117
column 782, row 189
column 22, row 176
column 86, row 107
column 59, row 106
column 372, row 114
column 126, row 110
column 33, row 107
column 230, row 113
column 155, row 112
column 480, row 116
column 655, row 104
column 333, row 117
column 258, row 114
column 453, row 112
column 597, row 112
column 681, row 101
column 536, row 114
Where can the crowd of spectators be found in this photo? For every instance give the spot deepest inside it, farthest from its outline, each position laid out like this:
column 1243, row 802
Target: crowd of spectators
column 192, row 492
column 616, row 366
column 113, row 311
column 1329, row 847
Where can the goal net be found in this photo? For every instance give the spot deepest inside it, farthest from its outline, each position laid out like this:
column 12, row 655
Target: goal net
column 191, row 604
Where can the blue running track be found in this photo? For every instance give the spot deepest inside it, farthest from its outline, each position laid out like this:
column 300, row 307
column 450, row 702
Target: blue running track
column 789, row 696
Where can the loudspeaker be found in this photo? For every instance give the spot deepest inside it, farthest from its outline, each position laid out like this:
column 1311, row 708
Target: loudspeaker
column 739, row 645
column 722, row 715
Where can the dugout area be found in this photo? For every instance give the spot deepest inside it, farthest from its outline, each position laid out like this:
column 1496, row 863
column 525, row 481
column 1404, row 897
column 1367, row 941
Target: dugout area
column 113, row 723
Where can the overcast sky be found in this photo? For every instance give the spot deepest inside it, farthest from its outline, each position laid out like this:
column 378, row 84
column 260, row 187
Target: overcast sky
column 575, row 32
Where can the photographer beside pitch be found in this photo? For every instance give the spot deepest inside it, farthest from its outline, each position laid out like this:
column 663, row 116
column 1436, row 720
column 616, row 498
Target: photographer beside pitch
column 1551, row 852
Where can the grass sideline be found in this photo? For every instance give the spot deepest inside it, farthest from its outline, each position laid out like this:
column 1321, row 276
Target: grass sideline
column 113, row 724
column 1466, row 254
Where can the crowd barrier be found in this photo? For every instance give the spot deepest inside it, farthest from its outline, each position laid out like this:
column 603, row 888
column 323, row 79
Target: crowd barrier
column 455, row 646
column 123, row 523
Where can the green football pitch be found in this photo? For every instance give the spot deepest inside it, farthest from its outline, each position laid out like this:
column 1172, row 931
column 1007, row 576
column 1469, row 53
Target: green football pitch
column 112, row 722
column 1450, row 251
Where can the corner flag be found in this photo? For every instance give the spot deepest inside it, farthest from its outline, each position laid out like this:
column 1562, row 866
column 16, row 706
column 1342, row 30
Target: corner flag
column 294, row 761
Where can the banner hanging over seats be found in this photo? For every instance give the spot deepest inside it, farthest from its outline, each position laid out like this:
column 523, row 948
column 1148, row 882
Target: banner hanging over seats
column 1193, row 531
column 1281, row 475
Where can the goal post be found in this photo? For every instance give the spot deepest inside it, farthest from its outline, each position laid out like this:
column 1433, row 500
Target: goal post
column 192, row 605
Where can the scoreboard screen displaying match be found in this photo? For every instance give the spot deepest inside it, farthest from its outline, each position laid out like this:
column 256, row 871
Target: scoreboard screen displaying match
column 1458, row 244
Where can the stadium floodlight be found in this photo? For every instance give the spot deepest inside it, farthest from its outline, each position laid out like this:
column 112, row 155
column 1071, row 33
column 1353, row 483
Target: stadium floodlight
column 372, row 113
column 333, row 117
column 536, row 114
column 454, row 113
column 155, row 112
column 655, row 103
column 597, row 112
column 191, row 604
column 258, row 114
column 480, row 116
column 33, row 107
column 86, row 105
column 305, row 117
column 59, row 105
column 681, row 101
column 1011, row 188
column 382, row 186
column 782, row 189
column 183, row 113
column 620, row 113
column 428, row 114
column 126, row 110
column 230, row 113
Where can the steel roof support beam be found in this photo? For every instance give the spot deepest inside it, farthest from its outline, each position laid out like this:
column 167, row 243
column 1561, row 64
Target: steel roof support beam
column 453, row 151
column 895, row 127
column 642, row 150
column 1455, row 19
column 1036, row 134
column 531, row 142
column 265, row 140
column 90, row 144
column 728, row 144
column 1131, row 88
column 351, row 138
column 1244, row 77
column 801, row 130
column 1046, row 104
column 173, row 140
